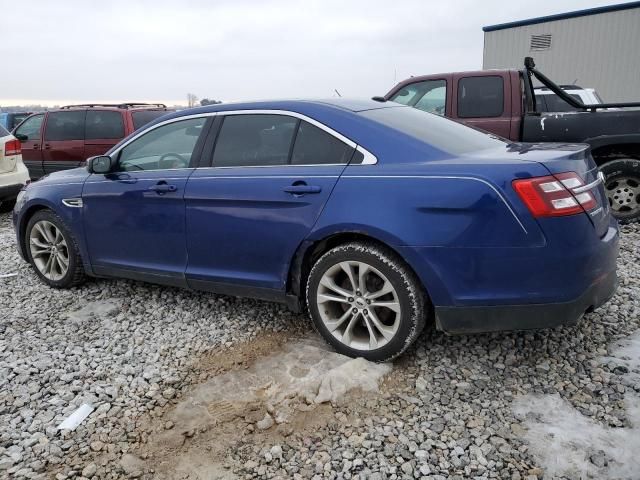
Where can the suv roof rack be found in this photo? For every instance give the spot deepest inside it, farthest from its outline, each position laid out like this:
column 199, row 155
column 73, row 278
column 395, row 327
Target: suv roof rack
column 115, row 105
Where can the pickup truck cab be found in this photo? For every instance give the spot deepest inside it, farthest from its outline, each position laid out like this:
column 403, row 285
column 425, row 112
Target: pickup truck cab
column 503, row 102
column 62, row 139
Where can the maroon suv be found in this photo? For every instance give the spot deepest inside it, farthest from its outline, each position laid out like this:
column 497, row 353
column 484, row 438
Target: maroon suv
column 64, row 138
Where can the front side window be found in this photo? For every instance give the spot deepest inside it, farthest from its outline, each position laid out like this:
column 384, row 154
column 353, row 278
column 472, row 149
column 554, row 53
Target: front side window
column 104, row 124
column 65, row 126
column 480, row 97
column 314, row 146
column 166, row 147
column 429, row 96
column 30, row 129
column 254, row 140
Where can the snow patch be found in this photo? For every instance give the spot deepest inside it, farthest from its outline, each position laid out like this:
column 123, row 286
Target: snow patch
column 302, row 375
column 567, row 443
column 95, row 309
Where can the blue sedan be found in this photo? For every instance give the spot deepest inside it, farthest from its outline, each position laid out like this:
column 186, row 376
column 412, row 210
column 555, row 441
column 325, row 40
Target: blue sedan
column 374, row 217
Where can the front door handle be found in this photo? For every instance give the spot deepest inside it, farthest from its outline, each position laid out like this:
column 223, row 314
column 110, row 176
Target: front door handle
column 302, row 189
column 163, row 188
column 47, row 146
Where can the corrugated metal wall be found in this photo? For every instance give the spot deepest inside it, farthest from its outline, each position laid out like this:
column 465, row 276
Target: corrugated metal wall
column 600, row 51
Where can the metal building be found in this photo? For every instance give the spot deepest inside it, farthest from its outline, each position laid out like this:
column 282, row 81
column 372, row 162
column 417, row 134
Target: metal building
column 598, row 47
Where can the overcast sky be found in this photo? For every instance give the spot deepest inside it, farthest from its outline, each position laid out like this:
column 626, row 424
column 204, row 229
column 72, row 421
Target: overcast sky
column 83, row 50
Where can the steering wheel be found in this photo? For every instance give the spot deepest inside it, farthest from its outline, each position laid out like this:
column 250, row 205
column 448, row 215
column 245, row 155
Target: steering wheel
column 172, row 160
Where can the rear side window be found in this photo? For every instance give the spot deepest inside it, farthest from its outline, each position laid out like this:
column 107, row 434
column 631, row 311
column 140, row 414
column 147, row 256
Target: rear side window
column 314, row 146
column 254, row 140
column 65, row 126
column 142, row 117
column 441, row 133
column 3, row 131
column 480, row 97
column 30, row 129
column 104, row 124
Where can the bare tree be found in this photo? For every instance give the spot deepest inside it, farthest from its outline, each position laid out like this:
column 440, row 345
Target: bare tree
column 206, row 101
column 192, row 99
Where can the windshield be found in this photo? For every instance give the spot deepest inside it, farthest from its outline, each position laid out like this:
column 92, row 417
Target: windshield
column 439, row 132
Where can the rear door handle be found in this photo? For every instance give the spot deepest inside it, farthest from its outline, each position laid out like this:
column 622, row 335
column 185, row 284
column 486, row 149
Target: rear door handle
column 163, row 188
column 47, row 146
column 302, row 189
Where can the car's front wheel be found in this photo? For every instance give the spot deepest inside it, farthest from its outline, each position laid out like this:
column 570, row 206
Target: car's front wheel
column 52, row 250
column 365, row 301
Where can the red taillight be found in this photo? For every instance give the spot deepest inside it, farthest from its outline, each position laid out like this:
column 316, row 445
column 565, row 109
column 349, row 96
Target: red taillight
column 554, row 195
column 12, row 147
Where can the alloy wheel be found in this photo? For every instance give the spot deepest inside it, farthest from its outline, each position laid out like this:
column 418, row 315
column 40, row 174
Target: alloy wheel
column 49, row 250
column 358, row 305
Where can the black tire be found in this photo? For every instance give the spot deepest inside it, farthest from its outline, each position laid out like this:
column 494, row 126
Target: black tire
column 6, row 206
column 408, row 288
column 622, row 176
column 75, row 274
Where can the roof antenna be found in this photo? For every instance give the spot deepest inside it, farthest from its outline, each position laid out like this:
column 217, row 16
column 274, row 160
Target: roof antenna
column 337, row 92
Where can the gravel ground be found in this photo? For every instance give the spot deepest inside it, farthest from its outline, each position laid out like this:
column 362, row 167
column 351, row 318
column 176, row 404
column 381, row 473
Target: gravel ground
column 452, row 407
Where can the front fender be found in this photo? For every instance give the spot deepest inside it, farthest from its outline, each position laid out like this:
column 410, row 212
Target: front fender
column 39, row 197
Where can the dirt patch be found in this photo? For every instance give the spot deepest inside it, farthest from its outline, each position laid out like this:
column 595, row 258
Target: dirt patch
column 257, row 393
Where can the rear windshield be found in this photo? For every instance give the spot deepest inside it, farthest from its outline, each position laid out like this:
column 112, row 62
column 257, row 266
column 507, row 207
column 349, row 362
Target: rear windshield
column 143, row 117
column 3, row 131
column 441, row 133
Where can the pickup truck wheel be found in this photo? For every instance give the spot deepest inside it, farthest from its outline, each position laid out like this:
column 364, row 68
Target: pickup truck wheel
column 365, row 301
column 622, row 186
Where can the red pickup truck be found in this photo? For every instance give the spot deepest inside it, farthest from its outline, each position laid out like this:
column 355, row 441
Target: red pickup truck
column 503, row 102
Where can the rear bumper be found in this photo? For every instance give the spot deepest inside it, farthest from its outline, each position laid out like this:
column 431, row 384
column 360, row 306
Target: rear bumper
column 10, row 192
column 477, row 319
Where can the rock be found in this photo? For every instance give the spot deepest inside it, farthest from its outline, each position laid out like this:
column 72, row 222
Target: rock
column 133, row 466
column 90, row 470
column 266, row 423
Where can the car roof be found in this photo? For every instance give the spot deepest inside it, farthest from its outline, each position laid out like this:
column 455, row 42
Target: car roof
column 308, row 107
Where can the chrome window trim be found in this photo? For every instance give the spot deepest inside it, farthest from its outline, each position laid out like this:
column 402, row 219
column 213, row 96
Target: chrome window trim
column 369, row 158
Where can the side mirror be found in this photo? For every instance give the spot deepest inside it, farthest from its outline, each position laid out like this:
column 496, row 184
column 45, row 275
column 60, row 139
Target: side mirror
column 102, row 164
column 21, row 136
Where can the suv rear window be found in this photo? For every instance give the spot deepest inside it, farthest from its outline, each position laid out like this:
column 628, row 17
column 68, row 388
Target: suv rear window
column 441, row 133
column 142, row 117
column 3, row 131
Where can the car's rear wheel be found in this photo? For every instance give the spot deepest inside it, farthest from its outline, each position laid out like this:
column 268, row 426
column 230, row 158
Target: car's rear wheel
column 365, row 301
column 52, row 251
column 622, row 186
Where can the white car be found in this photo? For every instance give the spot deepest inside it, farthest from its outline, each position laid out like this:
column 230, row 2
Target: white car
column 13, row 174
column 547, row 101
